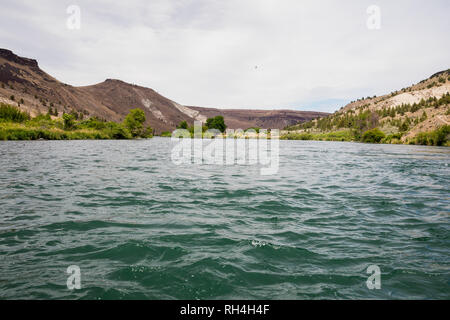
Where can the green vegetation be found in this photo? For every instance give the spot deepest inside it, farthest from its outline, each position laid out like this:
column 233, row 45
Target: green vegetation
column 183, row 125
column 373, row 136
column 438, row 137
column 18, row 125
column 134, row 122
column 361, row 123
column 343, row 135
column 13, row 114
column 217, row 122
column 298, row 136
column 392, row 138
column 363, row 119
column 166, row 134
column 254, row 128
column 69, row 121
column 53, row 111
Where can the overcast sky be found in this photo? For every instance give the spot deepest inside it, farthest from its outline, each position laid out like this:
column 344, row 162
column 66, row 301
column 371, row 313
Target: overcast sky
column 305, row 55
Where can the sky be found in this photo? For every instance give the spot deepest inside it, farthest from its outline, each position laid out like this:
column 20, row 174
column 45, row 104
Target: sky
column 258, row 54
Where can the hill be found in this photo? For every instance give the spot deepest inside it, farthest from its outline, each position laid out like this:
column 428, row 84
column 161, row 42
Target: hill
column 403, row 116
column 24, row 84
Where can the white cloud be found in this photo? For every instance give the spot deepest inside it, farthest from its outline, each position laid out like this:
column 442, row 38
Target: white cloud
column 246, row 53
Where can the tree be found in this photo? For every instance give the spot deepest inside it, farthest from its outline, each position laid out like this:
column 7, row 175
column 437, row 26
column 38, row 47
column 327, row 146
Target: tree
column 74, row 114
column 373, row 136
column 392, row 113
column 404, row 126
column 423, row 117
column 182, row 125
column 148, row 132
column 217, row 122
column 134, row 122
column 440, row 136
column 118, row 131
column 69, row 121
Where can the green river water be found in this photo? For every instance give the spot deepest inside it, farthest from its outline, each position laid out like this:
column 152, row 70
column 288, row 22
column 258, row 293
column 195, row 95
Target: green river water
column 140, row 227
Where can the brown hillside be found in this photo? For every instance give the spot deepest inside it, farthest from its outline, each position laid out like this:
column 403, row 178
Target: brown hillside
column 243, row 119
column 113, row 99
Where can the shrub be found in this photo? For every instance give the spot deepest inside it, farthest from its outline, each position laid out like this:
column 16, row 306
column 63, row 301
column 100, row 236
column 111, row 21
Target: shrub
column 423, row 117
column 69, row 121
column 304, row 136
column 441, row 135
column 118, row 131
column 43, row 127
column 134, row 122
column 148, row 133
column 93, row 123
column 373, row 136
column 182, row 125
column 166, row 134
column 404, row 126
column 392, row 138
column 254, row 128
column 438, row 137
column 10, row 113
column 217, row 122
column 422, row 138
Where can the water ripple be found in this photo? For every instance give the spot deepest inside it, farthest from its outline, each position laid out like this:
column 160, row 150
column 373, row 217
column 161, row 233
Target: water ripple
column 140, row 227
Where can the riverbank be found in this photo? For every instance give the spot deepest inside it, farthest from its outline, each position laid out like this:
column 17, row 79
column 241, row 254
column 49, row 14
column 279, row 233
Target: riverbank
column 18, row 125
column 438, row 137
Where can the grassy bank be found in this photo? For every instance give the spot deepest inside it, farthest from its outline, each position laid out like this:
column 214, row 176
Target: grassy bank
column 18, row 125
column 438, row 137
column 343, row 135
